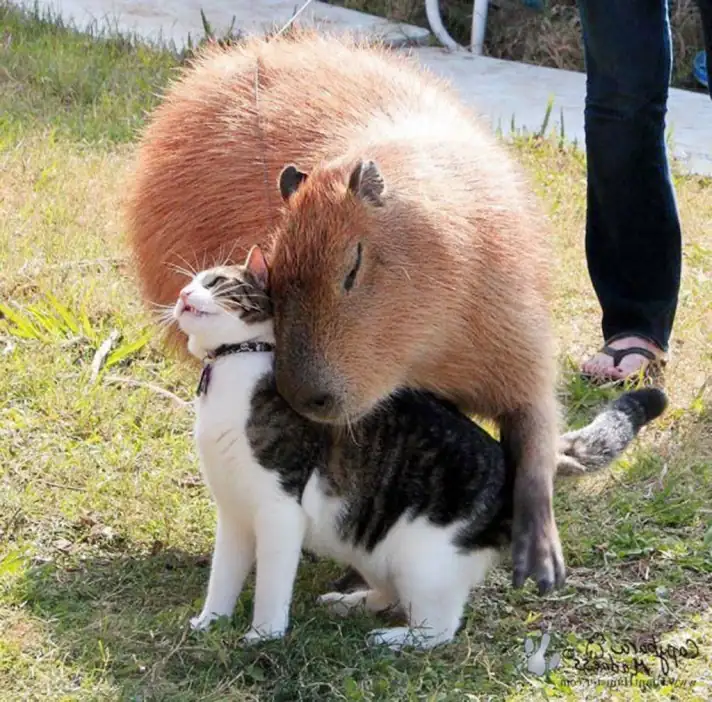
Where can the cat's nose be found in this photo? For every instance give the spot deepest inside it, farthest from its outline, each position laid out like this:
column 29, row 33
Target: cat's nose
column 184, row 297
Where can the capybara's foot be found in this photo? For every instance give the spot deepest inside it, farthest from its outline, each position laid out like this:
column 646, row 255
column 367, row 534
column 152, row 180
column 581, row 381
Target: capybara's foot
column 536, row 549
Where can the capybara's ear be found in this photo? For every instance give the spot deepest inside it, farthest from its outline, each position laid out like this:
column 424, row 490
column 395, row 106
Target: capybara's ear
column 367, row 182
column 257, row 265
column 289, row 181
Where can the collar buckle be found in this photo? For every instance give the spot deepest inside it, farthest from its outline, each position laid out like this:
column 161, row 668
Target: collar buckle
column 226, row 350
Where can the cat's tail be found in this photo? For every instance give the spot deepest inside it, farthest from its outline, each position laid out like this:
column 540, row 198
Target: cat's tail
column 599, row 443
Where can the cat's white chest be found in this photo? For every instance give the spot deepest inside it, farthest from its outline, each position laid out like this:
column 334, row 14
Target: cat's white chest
column 234, row 477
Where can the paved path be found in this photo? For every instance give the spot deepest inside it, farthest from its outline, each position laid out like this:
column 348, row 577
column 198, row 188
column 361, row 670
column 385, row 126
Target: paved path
column 505, row 92
column 173, row 20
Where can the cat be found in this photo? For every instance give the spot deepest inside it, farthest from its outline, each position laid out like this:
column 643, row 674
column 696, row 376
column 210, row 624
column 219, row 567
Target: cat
column 415, row 496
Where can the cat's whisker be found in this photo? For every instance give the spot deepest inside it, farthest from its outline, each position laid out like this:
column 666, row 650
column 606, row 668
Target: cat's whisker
column 226, row 260
column 228, row 285
column 226, row 310
column 181, row 270
column 159, row 306
column 244, row 301
column 162, row 311
column 350, row 428
column 221, row 289
column 192, row 269
column 218, row 292
column 165, row 321
column 228, row 303
column 232, row 251
column 204, row 265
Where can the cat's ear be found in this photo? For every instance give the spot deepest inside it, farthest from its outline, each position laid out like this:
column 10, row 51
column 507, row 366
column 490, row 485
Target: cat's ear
column 367, row 182
column 289, row 181
column 257, row 265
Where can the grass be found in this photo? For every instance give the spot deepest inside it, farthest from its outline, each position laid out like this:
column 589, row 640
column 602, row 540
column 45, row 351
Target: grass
column 106, row 528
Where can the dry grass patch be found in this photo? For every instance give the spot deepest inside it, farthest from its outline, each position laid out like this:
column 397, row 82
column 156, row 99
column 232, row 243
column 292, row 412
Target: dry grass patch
column 550, row 36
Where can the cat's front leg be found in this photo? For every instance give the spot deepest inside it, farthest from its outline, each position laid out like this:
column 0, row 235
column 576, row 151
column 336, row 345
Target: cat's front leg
column 280, row 533
column 233, row 557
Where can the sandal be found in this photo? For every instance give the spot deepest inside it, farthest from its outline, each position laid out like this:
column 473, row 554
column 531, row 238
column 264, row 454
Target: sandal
column 655, row 363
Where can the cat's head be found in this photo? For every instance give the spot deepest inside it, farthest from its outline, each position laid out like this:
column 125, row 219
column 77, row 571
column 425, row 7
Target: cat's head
column 226, row 305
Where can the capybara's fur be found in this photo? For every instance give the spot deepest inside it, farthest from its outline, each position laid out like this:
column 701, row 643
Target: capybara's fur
column 450, row 290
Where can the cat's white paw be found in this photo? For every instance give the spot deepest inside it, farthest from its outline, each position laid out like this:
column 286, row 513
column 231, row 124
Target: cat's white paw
column 202, row 621
column 206, row 618
column 254, row 636
column 339, row 603
column 400, row 637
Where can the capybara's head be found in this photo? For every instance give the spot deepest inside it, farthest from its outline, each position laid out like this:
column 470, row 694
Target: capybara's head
column 352, row 288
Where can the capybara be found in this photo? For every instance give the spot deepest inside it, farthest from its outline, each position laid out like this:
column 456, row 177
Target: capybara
column 405, row 248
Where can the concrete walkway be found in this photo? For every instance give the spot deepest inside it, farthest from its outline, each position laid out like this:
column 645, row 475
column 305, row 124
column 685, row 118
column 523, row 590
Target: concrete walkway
column 504, row 92
column 172, row 21
column 507, row 92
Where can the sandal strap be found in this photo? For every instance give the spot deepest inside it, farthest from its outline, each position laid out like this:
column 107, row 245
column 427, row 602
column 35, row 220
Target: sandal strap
column 633, row 335
column 619, row 354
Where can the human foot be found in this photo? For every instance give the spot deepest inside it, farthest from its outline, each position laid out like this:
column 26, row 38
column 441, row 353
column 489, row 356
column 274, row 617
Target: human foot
column 623, row 357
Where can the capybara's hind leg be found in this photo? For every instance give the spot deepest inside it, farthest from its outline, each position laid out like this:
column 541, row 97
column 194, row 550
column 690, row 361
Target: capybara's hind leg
column 529, row 438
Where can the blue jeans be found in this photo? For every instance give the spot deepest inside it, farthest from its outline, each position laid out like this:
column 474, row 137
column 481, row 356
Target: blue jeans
column 633, row 238
column 706, row 14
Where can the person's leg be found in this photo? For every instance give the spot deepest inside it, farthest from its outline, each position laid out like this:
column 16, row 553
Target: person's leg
column 633, row 241
column 706, row 14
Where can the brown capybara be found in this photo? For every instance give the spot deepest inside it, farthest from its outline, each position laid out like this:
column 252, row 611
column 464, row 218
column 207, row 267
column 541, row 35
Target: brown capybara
column 405, row 249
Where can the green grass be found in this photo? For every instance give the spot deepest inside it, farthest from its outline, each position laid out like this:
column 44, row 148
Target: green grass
column 76, row 87
column 106, row 528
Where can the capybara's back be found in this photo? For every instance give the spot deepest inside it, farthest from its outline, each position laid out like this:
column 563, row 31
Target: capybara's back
column 205, row 183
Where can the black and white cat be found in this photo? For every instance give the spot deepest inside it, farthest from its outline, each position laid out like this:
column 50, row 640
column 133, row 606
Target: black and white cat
column 415, row 496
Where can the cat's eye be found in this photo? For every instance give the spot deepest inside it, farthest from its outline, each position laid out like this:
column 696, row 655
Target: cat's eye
column 215, row 281
column 350, row 279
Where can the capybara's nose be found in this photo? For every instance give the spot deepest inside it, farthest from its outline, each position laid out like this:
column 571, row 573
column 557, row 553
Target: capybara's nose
column 315, row 403
column 311, row 400
column 318, row 403
column 309, row 385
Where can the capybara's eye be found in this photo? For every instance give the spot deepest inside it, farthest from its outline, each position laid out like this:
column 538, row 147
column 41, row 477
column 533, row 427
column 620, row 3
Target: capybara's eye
column 351, row 277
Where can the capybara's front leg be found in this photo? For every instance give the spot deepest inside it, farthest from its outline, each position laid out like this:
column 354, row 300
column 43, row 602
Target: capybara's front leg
column 529, row 441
